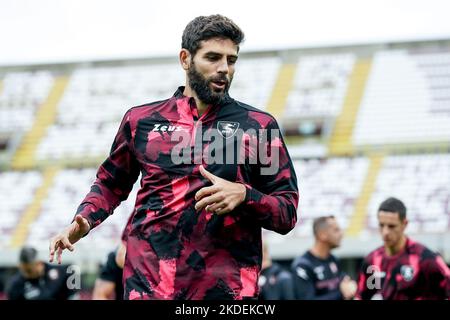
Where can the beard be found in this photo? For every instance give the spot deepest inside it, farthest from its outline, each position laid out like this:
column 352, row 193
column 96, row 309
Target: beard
column 202, row 86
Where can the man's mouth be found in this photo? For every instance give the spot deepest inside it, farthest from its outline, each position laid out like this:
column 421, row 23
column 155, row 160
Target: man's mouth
column 219, row 84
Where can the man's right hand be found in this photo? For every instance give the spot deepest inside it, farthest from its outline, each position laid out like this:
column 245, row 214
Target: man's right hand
column 68, row 237
column 348, row 288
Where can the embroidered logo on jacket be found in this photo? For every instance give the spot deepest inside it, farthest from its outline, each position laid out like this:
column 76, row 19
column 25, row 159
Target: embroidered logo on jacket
column 407, row 272
column 227, row 129
column 164, row 128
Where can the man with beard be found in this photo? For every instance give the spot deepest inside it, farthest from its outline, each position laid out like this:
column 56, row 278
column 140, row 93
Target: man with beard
column 195, row 232
column 317, row 273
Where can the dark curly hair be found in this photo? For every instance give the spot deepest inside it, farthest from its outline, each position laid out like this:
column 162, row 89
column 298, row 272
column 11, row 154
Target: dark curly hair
column 393, row 205
column 208, row 27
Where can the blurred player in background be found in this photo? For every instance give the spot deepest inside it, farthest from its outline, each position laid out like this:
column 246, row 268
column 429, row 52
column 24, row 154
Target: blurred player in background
column 317, row 273
column 401, row 269
column 275, row 283
column 196, row 232
column 109, row 285
column 38, row 280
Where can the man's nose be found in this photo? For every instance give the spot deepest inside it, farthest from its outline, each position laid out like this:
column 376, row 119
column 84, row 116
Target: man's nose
column 223, row 66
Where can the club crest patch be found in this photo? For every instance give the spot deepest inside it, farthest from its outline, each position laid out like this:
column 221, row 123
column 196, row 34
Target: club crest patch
column 227, row 129
column 407, row 272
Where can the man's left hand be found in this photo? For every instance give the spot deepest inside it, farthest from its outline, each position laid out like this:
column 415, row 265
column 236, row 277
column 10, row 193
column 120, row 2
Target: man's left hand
column 220, row 198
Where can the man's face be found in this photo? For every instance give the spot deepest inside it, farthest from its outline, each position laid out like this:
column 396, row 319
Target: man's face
column 30, row 270
column 391, row 227
column 212, row 68
column 334, row 233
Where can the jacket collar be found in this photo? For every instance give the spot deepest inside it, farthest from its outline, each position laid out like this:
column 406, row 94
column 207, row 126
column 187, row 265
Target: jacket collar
column 179, row 95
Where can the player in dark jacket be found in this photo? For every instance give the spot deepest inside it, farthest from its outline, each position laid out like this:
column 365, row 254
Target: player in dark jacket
column 275, row 283
column 109, row 284
column 317, row 273
column 38, row 280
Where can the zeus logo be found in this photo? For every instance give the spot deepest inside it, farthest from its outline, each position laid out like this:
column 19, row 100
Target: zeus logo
column 159, row 128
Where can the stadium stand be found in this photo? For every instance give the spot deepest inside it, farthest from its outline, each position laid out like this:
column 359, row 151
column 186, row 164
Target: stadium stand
column 21, row 94
column 93, row 105
column 408, row 96
column 96, row 99
column 383, row 113
column 253, row 84
column 320, row 85
column 329, row 186
column 422, row 181
column 15, row 201
column 69, row 188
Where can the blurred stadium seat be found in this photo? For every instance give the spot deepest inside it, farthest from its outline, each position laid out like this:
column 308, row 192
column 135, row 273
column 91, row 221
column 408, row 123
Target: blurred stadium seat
column 407, row 99
column 15, row 200
column 328, row 186
column 320, row 85
column 68, row 189
column 20, row 96
column 422, row 181
column 95, row 101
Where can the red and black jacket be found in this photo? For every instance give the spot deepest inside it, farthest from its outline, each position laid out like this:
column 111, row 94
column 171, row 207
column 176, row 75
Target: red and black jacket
column 173, row 251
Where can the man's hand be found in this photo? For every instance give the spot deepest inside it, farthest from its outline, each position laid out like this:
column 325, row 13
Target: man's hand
column 68, row 237
column 348, row 288
column 222, row 197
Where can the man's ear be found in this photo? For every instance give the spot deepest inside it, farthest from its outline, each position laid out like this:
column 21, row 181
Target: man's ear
column 185, row 59
column 405, row 223
column 321, row 235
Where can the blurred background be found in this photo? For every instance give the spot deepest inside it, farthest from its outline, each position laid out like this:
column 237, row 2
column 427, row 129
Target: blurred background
column 361, row 90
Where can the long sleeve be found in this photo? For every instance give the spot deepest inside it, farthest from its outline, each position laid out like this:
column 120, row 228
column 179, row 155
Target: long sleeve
column 14, row 289
column 115, row 178
column 437, row 277
column 272, row 198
